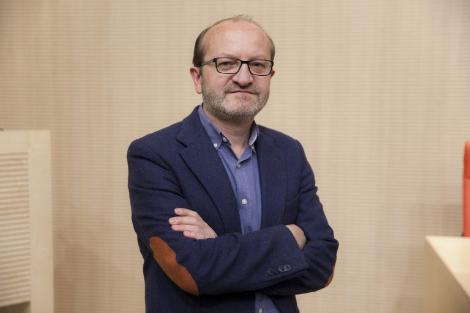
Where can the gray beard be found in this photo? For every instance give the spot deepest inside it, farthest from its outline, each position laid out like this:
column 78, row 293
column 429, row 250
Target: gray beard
column 214, row 105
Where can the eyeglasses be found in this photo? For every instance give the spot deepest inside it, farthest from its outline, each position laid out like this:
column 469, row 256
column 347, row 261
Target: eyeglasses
column 233, row 66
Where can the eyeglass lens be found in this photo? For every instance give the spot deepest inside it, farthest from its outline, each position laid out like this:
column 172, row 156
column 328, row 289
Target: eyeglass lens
column 232, row 66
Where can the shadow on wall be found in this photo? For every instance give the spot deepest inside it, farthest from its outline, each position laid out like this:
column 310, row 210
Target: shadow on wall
column 17, row 308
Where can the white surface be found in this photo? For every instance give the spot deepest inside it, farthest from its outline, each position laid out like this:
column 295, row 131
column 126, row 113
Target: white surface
column 447, row 275
column 27, row 218
column 455, row 254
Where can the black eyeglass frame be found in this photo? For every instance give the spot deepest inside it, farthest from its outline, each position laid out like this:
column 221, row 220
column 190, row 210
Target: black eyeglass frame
column 214, row 60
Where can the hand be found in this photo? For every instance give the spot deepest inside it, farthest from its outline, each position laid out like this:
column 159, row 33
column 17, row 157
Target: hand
column 191, row 224
column 298, row 234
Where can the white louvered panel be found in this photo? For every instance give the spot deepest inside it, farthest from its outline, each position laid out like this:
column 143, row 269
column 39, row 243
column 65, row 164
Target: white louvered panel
column 15, row 255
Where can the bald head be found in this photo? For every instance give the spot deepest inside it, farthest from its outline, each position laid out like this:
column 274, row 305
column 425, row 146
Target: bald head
column 244, row 22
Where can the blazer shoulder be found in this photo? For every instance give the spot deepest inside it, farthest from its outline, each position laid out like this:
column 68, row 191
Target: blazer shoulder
column 165, row 139
column 281, row 139
column 159, row 140
column 162, row 134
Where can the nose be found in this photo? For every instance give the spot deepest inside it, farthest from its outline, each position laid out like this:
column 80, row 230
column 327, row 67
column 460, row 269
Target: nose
column 243, row 77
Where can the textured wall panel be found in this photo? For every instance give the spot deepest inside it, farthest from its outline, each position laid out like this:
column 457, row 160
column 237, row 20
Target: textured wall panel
column 15, row 255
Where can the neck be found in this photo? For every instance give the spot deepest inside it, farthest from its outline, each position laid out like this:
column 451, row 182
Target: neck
column 237, row 132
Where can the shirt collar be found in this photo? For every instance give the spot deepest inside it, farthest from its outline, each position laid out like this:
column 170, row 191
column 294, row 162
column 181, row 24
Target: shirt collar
column 217, row 137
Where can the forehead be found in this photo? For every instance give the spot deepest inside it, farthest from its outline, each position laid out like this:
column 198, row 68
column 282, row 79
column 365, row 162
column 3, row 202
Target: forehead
column 239, row 39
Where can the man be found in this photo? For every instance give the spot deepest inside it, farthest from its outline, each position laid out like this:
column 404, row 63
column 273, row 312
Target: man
column 226, row 211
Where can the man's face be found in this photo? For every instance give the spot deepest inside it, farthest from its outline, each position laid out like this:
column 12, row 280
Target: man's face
column 233, row 97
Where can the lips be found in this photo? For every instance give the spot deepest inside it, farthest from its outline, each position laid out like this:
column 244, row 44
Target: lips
column 242, row 91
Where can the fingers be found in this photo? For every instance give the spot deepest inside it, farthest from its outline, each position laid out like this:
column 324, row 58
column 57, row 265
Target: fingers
column 186, row 216
column 199, row 231
column 186, row 227
column 193, row 235
column 186, row 220
column 191, row 224
column 185, row 212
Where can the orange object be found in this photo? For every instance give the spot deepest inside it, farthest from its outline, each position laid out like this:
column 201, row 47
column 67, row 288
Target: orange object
column 466, row 191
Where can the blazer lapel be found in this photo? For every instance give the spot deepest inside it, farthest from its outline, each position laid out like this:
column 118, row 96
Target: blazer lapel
column 204, row 162
column 273, row 173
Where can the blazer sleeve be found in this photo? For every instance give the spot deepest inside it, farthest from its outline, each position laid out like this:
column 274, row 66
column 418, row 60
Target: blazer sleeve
column 321, row 247
column 226, row 264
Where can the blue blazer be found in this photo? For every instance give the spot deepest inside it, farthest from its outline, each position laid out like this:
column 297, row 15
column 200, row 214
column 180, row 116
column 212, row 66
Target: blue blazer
column 178, row 167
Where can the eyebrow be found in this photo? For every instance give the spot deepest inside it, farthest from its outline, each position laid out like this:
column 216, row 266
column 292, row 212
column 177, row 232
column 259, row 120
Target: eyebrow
column 228, row 55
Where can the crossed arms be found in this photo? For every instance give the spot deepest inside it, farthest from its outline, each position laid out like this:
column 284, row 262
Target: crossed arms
column 277, row 260
column 193, row 226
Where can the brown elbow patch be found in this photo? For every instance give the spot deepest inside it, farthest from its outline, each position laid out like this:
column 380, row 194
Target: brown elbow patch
column 166, row 258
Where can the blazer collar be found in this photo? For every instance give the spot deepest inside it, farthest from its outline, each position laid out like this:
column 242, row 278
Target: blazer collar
column 203, row 160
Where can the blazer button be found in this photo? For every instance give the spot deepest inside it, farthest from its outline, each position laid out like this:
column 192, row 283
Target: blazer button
column 284, row 268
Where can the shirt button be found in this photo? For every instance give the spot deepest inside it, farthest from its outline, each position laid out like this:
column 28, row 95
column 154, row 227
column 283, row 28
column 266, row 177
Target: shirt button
column 238, row 165
column 215, row 145
column 244, row 201
column 224, row 139
column 260, row 310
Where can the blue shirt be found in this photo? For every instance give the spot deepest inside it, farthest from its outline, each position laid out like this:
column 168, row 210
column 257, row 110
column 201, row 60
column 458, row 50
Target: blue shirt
column 244, row 176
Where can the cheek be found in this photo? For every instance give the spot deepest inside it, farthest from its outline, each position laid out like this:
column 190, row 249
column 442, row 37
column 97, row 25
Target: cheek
column 215, row 85
column 263, row 85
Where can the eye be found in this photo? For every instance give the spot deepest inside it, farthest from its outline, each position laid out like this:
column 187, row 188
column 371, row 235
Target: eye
column 227, row 63
column 258, row 64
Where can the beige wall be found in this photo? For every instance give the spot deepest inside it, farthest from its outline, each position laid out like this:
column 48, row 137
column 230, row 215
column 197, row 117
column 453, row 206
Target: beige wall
column 377, row 91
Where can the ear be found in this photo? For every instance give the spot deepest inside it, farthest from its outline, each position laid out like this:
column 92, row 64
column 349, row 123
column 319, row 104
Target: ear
column 196, row 75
